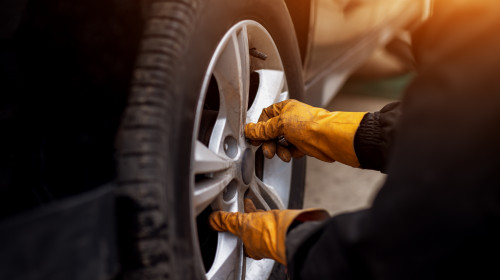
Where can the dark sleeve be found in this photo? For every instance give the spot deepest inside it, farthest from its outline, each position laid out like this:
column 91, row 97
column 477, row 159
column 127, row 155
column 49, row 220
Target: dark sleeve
column 437, row 216
column 375, row 136
column 318, row 250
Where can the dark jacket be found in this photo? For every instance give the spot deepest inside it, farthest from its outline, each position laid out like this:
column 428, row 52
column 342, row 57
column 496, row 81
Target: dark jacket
column 438, row 214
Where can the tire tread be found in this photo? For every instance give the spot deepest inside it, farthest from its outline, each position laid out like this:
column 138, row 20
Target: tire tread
column 142, row 142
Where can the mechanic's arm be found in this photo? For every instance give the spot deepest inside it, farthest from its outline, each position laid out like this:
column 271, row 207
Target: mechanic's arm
column 358, row 139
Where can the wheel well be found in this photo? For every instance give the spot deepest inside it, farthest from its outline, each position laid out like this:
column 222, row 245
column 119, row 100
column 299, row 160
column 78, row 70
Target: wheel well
column 300, row 12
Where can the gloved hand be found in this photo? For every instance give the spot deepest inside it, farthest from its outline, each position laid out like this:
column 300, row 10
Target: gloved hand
column 263, row 232
column 325, row 135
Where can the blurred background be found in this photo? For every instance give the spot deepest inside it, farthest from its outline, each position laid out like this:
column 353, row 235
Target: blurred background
column 340, row 188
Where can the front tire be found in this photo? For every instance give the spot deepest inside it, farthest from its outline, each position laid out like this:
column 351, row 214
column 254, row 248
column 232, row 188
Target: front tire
column 177, row 120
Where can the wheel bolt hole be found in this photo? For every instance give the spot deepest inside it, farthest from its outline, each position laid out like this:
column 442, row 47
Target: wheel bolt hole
column 230, row 147
column 230, row 191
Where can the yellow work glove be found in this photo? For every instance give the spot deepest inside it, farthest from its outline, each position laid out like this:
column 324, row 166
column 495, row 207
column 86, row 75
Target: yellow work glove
column 325, row 135
column 263, row 232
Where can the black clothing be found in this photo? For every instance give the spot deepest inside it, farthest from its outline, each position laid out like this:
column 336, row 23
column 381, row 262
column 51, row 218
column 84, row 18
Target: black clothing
column 438, row 214
column 375, row 137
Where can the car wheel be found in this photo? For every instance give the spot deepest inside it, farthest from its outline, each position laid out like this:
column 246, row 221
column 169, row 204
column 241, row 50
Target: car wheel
column 205, row 69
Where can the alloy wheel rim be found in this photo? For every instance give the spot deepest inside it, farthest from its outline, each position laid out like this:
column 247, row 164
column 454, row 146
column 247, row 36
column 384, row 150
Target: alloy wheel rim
column 225, row 168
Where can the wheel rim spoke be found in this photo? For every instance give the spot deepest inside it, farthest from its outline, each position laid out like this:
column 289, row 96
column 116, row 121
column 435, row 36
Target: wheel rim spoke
column 206, row 161
column 280, row 183
column 254, row 194
column 255, row 268
column 232, row 75
column 245, row 71
column 270, row 91
column 228, row 260
column 283, row 96
column 269, row 194
column 208, row 189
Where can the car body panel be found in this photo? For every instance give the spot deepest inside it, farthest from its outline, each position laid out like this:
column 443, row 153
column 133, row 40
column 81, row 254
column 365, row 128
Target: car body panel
column 336, row 27
column 343, row 33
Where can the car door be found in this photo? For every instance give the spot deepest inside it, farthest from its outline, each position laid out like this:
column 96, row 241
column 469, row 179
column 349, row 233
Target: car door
column 337, row 25
column 344, row 33
column 391, row 14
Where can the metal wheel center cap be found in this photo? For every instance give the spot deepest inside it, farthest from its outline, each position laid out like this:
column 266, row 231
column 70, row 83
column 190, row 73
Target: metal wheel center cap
column 247, row 166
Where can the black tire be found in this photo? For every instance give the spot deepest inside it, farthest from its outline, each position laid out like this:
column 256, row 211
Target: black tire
column 157, row 236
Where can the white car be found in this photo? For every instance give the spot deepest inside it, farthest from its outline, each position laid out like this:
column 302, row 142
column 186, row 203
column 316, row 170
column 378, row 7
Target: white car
column 206, row 68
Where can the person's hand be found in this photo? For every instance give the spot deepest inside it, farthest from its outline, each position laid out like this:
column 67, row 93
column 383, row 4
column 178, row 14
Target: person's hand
column 263, row 232
column 325, row 135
